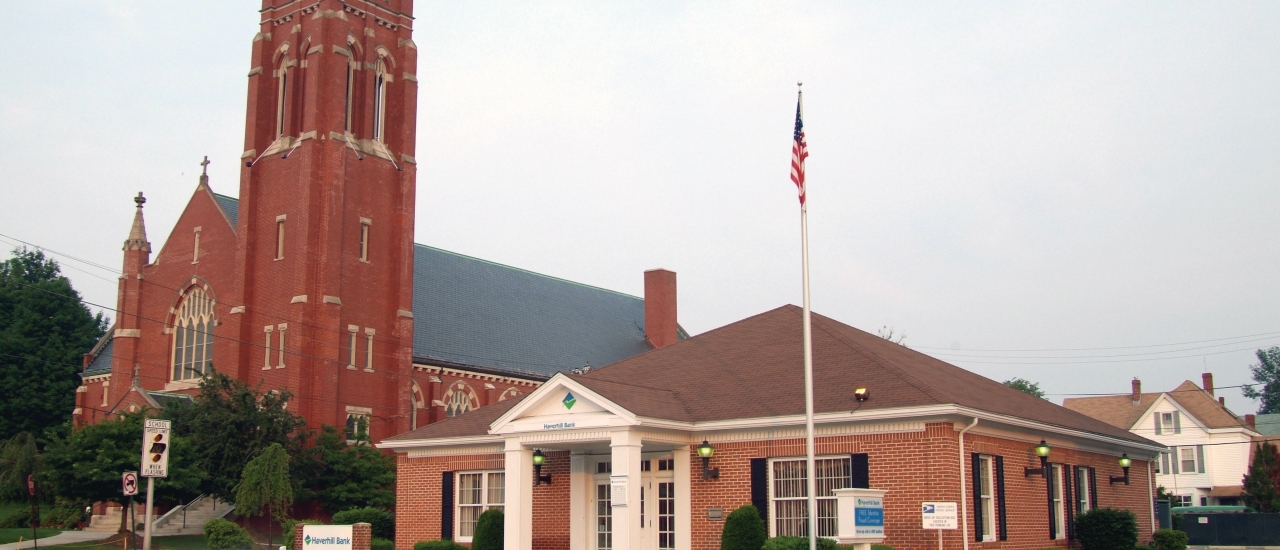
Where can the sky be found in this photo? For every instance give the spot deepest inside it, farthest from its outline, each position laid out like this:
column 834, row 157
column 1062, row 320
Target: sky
column 1040, row 176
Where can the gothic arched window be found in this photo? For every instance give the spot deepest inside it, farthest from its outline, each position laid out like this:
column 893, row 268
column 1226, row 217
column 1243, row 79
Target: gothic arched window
column 459, row 399
column 352, row 64
column 193, row 336
column 282, row 87
column 379, row 99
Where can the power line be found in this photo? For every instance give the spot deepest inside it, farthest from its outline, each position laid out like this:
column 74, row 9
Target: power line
column 1110, row 348
column 1170, row 391
column 1115, row 355
column 1067, row 362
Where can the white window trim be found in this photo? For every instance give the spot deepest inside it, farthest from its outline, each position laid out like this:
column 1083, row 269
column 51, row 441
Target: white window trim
column 106, row 387
column 988, row 485
column 1059, row 499
column 266, row 361
column 280, row 237
column 773, row 519
column 368, row 349
column 1195, row 460
column 365, row 228
column 1083, row 489
column 281, row 327
column 195, row 248
column 484, row 496
column 196, row 310
column 351, row 344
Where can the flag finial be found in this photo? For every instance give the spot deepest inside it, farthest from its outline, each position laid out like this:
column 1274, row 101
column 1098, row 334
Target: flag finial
column 799, row 83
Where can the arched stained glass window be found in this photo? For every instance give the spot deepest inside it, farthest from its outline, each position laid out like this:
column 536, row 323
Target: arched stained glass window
column 193, row 336
column 460, row 399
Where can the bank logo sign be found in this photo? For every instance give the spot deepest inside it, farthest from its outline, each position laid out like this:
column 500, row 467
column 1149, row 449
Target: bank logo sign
column 568, row 401
column 326, row 537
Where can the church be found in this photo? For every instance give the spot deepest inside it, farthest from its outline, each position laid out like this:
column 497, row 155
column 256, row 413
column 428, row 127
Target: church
column 310, row 282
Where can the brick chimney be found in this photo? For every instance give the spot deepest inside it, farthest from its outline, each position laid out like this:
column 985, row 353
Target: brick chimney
column 88, row 358
column 1222, row 401
column 1251, row 421
column 1206, row 382
column 1137, row 390
column 660, row 326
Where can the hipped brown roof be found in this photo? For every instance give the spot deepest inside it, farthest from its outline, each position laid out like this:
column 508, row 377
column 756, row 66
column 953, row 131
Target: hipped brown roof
column 1120, row 410
column 754, row 368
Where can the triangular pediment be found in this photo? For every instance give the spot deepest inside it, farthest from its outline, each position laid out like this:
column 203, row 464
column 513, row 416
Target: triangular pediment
column 562, row 404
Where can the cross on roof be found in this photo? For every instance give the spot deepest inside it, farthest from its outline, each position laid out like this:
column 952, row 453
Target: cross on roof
column 204, row 166
column 139, row 200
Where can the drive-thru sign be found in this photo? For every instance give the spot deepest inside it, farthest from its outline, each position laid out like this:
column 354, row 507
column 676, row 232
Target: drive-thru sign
column 939, row 515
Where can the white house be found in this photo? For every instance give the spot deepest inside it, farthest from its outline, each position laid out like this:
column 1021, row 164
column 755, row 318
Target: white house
column 1208, row 444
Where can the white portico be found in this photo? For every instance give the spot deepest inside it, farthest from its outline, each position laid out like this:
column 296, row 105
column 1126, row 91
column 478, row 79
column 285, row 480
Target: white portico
column 628, row 481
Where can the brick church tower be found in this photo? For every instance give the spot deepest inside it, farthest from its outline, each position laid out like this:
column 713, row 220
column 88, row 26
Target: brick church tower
column 325, row 226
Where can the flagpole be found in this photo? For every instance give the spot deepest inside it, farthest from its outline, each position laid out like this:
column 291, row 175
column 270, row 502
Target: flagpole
column 811, row 474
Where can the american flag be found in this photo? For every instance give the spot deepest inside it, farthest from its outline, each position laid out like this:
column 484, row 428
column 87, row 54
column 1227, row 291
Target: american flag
column 799, row 152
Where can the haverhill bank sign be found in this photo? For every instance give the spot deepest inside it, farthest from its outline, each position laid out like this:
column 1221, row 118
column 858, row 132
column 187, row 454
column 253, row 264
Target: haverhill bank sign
column 614, row 459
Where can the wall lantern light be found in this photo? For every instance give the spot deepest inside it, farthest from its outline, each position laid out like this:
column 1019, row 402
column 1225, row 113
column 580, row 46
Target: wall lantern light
column 1042, row 451
column 538, row 460
column 1125, row 462
column 705, row 450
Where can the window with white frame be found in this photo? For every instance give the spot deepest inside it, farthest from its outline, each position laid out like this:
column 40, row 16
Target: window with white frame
column 351, row 346
column 282, row 88
column 193, row 336
column 266, row 353
column 477, row 492
column 1187, row 462
column 368, row 349
column 986, row 494
column 1084, row 499
column 364, row 239
column 351, row 80
column 357, row 423
column 280, row 237
column 380, row 80
column 280, row 358
column 1182, row 500
column 1059, row 506
column 788, row 495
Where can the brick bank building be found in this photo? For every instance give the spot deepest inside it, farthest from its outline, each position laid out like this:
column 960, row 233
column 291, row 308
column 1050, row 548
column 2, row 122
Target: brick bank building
column 620, row 449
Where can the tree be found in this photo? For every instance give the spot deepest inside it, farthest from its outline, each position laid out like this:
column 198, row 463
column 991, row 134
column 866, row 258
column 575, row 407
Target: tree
column 19, row 458
column 743, row 530
column 887, row 333
column 1260, row 483
column 264, row 484
column 44, row 332
column 229, row 424
column 87, row 462
column 343, row 476
column 1025, row 386
column 1267, row 373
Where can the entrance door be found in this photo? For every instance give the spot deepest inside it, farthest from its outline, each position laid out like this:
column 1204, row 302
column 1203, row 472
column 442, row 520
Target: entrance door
column 657, row 506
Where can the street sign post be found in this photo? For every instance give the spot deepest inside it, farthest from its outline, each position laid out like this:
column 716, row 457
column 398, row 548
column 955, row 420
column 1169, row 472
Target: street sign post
column 35, row 510
column 939, row 516
column 155, row 463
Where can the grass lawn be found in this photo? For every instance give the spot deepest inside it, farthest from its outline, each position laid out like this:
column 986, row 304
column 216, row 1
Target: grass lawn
column 11, row 535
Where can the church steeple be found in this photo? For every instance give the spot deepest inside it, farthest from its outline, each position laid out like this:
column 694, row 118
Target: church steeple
column 138, row 234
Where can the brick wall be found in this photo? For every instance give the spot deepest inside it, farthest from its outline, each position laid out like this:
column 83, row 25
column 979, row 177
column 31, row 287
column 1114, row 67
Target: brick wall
column 913, row 467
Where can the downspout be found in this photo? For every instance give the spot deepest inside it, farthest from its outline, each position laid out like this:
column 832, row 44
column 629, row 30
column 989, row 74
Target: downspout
column 964, row 509
column 1151, row 491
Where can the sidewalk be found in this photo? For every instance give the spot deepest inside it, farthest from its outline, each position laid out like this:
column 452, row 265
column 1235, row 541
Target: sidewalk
column 65, row 537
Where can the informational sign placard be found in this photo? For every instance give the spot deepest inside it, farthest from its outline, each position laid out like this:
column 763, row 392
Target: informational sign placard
column 618, row 490
column 155, row 448
column 129, row 482
column 868, row 517
column 939, row 515
column 326, row 537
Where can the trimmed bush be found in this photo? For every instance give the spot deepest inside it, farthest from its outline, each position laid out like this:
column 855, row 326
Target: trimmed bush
column 226, row 535
column 16, row 520
column 290, row 527
column 798, row 543
column 438, row 545
column 1107, row 529
column 382, row 523
column 488, row 531
column 881, row 547
column 382, row 544
column 1168, row 539
column 743, row 530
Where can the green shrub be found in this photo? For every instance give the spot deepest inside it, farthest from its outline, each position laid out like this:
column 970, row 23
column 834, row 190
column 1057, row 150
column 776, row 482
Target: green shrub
column 1168, row 539
column 16, row 520
column 798, row 543
column 438, row 545
column 289, row 528
column 1107, row 529
column 382, row 544
column 488, row 531
column 382, row 523
column 881, row 547
column 226, row 535
column 66, row 513
column 743, row 530
column 1141, row 547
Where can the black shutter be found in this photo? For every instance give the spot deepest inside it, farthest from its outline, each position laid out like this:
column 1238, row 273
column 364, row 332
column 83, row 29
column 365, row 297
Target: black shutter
column 446, row 506
column 1068, row 503
column 860, row 471
column 1053, row 518
column 1004, row 520
column 760, row 487
column 1093, row 488
column 977, row 497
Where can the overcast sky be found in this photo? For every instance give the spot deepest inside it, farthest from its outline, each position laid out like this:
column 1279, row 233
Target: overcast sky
column 983, row 176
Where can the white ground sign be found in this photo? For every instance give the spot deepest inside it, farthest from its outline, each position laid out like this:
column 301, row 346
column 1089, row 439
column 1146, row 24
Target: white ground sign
column 326, row 537
column 939, row 515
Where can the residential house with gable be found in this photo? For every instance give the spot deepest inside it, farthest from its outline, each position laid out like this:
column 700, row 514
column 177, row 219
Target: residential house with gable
column 1208, row 444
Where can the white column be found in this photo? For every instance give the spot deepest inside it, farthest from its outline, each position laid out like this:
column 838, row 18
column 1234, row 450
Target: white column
column 684, row 498
column 518, row 517
column 625, row 446
column 579, row 513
